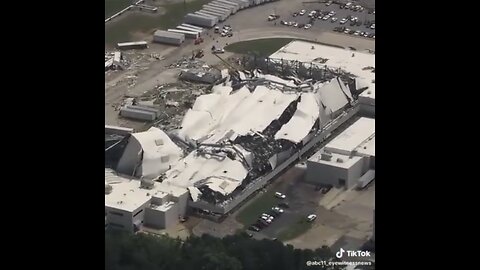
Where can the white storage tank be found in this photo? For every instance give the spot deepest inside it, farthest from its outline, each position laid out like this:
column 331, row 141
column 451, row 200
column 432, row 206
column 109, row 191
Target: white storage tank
column 166, row 37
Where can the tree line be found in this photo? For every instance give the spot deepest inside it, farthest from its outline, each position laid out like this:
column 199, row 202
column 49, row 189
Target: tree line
column 125, row 251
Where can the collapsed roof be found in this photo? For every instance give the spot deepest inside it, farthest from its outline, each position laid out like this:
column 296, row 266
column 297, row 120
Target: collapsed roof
column 242, row 134
column 149, row 154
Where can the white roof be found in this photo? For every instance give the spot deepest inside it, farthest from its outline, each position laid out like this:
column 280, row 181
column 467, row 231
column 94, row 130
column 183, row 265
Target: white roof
column 367, row 148
column 337, row 160
column 302, row 120
column 337, row 58
column 128, row 196
column 358, row 133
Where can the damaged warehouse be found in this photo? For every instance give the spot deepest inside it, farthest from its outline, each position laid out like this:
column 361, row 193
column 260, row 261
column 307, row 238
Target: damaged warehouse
column 237, row 138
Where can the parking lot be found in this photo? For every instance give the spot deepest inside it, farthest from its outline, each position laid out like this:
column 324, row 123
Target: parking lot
column 302, row 200
column 320, row 16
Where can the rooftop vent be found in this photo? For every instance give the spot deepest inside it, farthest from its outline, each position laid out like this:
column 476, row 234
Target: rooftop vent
column 159, row 142
column 147, row 184
column 339, row 160
column 108, row 189
column 326, row 156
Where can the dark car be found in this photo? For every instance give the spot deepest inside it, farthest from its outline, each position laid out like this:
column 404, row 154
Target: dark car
column 230, row 34
column 301, row 25
column 284, row 205
column 254, row 228
column 295, row 14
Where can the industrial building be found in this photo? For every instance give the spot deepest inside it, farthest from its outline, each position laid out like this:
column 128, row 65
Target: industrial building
column 235, row 140
column 358, row 63
column 348, row 160
column 166, row 37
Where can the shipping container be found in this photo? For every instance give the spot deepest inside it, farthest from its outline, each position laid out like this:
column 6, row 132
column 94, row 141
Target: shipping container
column 190, row 29
column 132, row 45
column 166, row 37
column 226, row 10
column 228, row 3
column 192, row 26
column 200, row 20
column 208, row 12
column 243, row 3
column 188, row 34
column 221, row 16
column 217, row 4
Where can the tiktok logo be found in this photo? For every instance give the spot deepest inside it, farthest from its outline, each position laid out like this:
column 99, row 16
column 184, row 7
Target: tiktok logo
column 339, row 254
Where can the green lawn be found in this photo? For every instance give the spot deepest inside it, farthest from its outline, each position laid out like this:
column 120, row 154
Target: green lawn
column 295, row 230
column 260, row 47
column 123, row 30
column 251, row 212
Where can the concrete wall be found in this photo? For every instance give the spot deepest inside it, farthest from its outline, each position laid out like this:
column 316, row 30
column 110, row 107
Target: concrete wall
column 181, row 202
column 130, row 157
column 355, row 172
column 319, row 173
column 161, row 219
column 119, row 219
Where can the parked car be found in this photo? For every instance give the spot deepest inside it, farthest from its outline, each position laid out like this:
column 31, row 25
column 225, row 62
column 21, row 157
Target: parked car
column 217, row 30
column 278, row 210
column 295, row 24
column 326, row 17
column 343, row 21
column 329, row 3
column 346, row 31
column 372, row 26
column 308, row 26
column 301, row 25
column 295, row 14
column 357, row 33
column 215, row 51
column 280, row 195
column 311, row 217
column 302, row 12
column 254, row 228
column 334, row 19
column 283, row 22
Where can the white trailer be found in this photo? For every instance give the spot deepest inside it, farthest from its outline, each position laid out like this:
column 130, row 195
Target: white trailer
column 189, row 29
column 242, row 3
column 223, row 6
column 222, row 10
column 210, row 5
column 188, row 34
column 221, row 17
column 132, row 45
column 192, row 26
column 200, row 20
column 236, row 6
column 166, row 37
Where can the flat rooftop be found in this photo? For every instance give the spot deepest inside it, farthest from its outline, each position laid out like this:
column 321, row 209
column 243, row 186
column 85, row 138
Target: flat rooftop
column 128, row 196
column 337, row 160
column 355, row 62
column 354, row 136
column 367, row 148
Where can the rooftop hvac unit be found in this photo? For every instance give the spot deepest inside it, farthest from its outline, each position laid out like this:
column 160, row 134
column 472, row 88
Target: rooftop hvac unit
column 159, row 142
column 147, row 184
column 108, row 189
column 339, row 160
column 326, row 156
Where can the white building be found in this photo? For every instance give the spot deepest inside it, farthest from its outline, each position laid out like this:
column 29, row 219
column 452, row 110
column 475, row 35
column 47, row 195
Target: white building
column 131, row 203
column 361, row 64
column 348, row 160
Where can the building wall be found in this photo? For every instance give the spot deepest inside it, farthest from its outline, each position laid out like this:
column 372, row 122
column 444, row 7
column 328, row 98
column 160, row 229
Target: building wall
column 161, row 219
column 119, row 219
column 355, row 172
column 319, row 173
column 181, row 203
column 130, row 157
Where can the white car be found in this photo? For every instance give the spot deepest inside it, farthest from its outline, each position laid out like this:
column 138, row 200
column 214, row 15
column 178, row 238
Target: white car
column 329, row 3
column 218, row 51
column 354, row 19
column 311, row 217
column 343, row 21
column 312, row 13
column 346, row 31
column 278, row 209
column 332, row 13
column 307, row 26
column 302, row 12
column 334, row 19
column 280, row 195
column 357, row 33
column 326, row 17
column 295, row 24
column 372, row 26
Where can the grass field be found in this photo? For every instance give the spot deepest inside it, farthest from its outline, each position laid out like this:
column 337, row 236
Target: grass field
column 260, row 47
column 295, row 230
column 251, row 212
column 124, row 29
column 112, row 6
